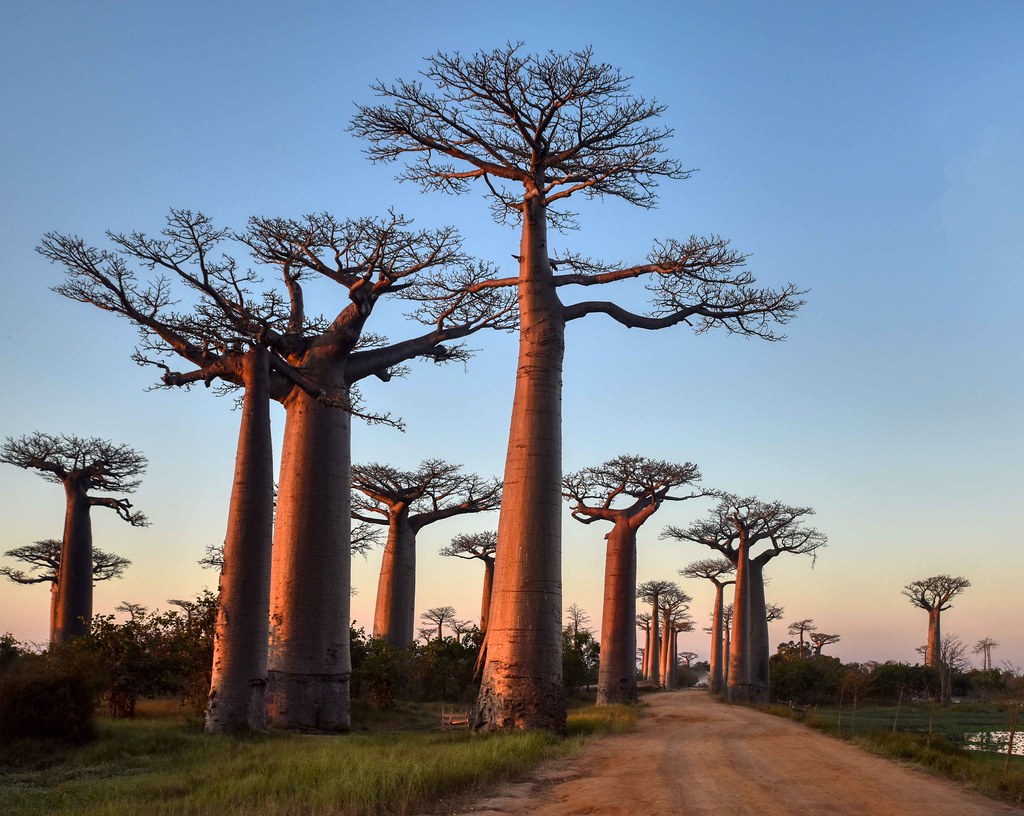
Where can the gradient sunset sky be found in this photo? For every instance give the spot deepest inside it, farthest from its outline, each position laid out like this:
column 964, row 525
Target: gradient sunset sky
column 870, row 152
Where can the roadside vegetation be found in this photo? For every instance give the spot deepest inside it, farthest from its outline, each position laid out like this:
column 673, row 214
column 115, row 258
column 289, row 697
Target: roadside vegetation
column 162, row 764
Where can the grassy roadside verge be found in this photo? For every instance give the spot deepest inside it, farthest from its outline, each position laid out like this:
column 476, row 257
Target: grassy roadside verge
column 924, row 746
column 168, row 767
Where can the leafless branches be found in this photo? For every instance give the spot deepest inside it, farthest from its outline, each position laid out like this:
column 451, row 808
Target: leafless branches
column 434, row 491
column 43, row 557
column 935, row 592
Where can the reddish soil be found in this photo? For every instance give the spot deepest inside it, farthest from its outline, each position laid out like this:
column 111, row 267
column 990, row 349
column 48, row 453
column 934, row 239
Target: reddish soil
column 691, row 756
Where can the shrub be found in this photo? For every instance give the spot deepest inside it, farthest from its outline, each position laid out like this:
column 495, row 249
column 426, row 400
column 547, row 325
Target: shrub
column 49, row 696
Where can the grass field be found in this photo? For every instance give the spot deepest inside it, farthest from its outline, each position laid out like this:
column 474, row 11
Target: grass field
column 931, row 737
column 161, row 764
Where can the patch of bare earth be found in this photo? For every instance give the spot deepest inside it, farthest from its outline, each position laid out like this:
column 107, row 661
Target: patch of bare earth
column 692, row 756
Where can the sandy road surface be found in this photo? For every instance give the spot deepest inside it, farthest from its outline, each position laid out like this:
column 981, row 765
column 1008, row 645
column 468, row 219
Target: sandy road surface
column 691, row 756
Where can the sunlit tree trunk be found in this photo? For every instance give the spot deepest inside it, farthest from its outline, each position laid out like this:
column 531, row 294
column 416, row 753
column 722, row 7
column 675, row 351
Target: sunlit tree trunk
column 485, row 599
column 310, row 664
column 53, row 610
column 932, row 649
column 716, row 674
column 653, row 665
column 739, row 651
column 239, row 680
column 74, row 585
column 394, row 615
column 616, row 679
column 645, row 663
column 759, row 650
column 522, row 677
column 665, row 656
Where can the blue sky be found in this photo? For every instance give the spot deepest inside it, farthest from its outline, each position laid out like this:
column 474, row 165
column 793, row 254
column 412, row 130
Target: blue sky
column 870, row 152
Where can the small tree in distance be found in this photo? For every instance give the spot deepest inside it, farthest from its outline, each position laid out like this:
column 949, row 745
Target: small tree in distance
column 479, row 546
column 625, row 491
column 43, row 558
column 716, row 570
column 933, row 595
column 799, row 629
column 82, row 466
column 439, row 616
column 408, row 501
column 820, row 640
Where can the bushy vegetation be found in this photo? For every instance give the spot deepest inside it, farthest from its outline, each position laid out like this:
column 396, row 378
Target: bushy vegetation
column 165, row 766
column 47, row 696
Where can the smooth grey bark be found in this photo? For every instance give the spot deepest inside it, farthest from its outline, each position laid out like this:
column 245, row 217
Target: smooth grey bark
column 394, row 617
column 738, row 686
column 237, row 700
column 759, row 646
column 74, row 589
column 309, row 660
column 719, row 646
column 522, row 671
column 616, row 678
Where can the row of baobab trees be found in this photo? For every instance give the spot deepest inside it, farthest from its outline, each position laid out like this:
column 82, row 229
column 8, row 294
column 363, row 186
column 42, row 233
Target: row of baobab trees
column 530, row 131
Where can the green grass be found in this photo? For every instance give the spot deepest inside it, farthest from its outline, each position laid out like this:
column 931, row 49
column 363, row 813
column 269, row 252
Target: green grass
column 927, row 736
column 166, row 766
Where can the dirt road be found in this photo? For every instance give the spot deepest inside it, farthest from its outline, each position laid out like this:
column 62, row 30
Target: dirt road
column 691, row 756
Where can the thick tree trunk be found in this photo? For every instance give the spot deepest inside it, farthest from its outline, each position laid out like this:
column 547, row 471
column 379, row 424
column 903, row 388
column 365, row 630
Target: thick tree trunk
column 653, row 667
column 716, row 675
column 616, row 678
column 53, row 611
column 759, row 650
column 485, row 600
column 739, row 651
column 666, row 648
column 74, row 584
column 522, row 676
column 239, row 681
column 394, row 615
column 932, row 650
column 726, row 654
column 645, row 662
column 310, row 664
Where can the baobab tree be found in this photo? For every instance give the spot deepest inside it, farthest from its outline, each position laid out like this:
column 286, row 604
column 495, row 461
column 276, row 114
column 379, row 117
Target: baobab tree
column 983, row 647
column 81, row 465
column 799, row 629
column 43, row 559
column 643, row 623
column 534, row 130
column 651, row 592
column 734, row 528
column 481, row 547
column 933, row 595
column 674, row 604
column 714, row 570
column 625, row 491
column 439, row 616
column 312, row 365
column 820, row 640
column 407, row 501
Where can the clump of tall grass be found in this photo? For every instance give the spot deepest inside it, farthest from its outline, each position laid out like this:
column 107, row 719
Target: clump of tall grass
column 166, row 767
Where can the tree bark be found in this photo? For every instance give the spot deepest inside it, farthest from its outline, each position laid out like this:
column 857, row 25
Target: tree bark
column 53, row 610
column 394, row 615
column 716, row 675
column 616, row 678
column 238, row 685
column 310, row 664
column 666, row 647
column 759, row 651
column 522, row 676
column 653, row 667
column 932, row 654
column 74, row 584
column 485, row 600
column 739, row 660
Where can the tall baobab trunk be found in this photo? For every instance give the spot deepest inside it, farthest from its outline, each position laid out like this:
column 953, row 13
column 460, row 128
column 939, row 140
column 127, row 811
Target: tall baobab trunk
column 522, row 676
column 310, row 664
column 932, row 656
column 616, row 678
column 485, row 599
column 667, row 638
column 53, row 610
column 653, row 666
column 759, row 650
column 239, row 681
column 74, row 584
column 719, row 649
column 739, row 652
column 394, row 615
column 726, row 654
